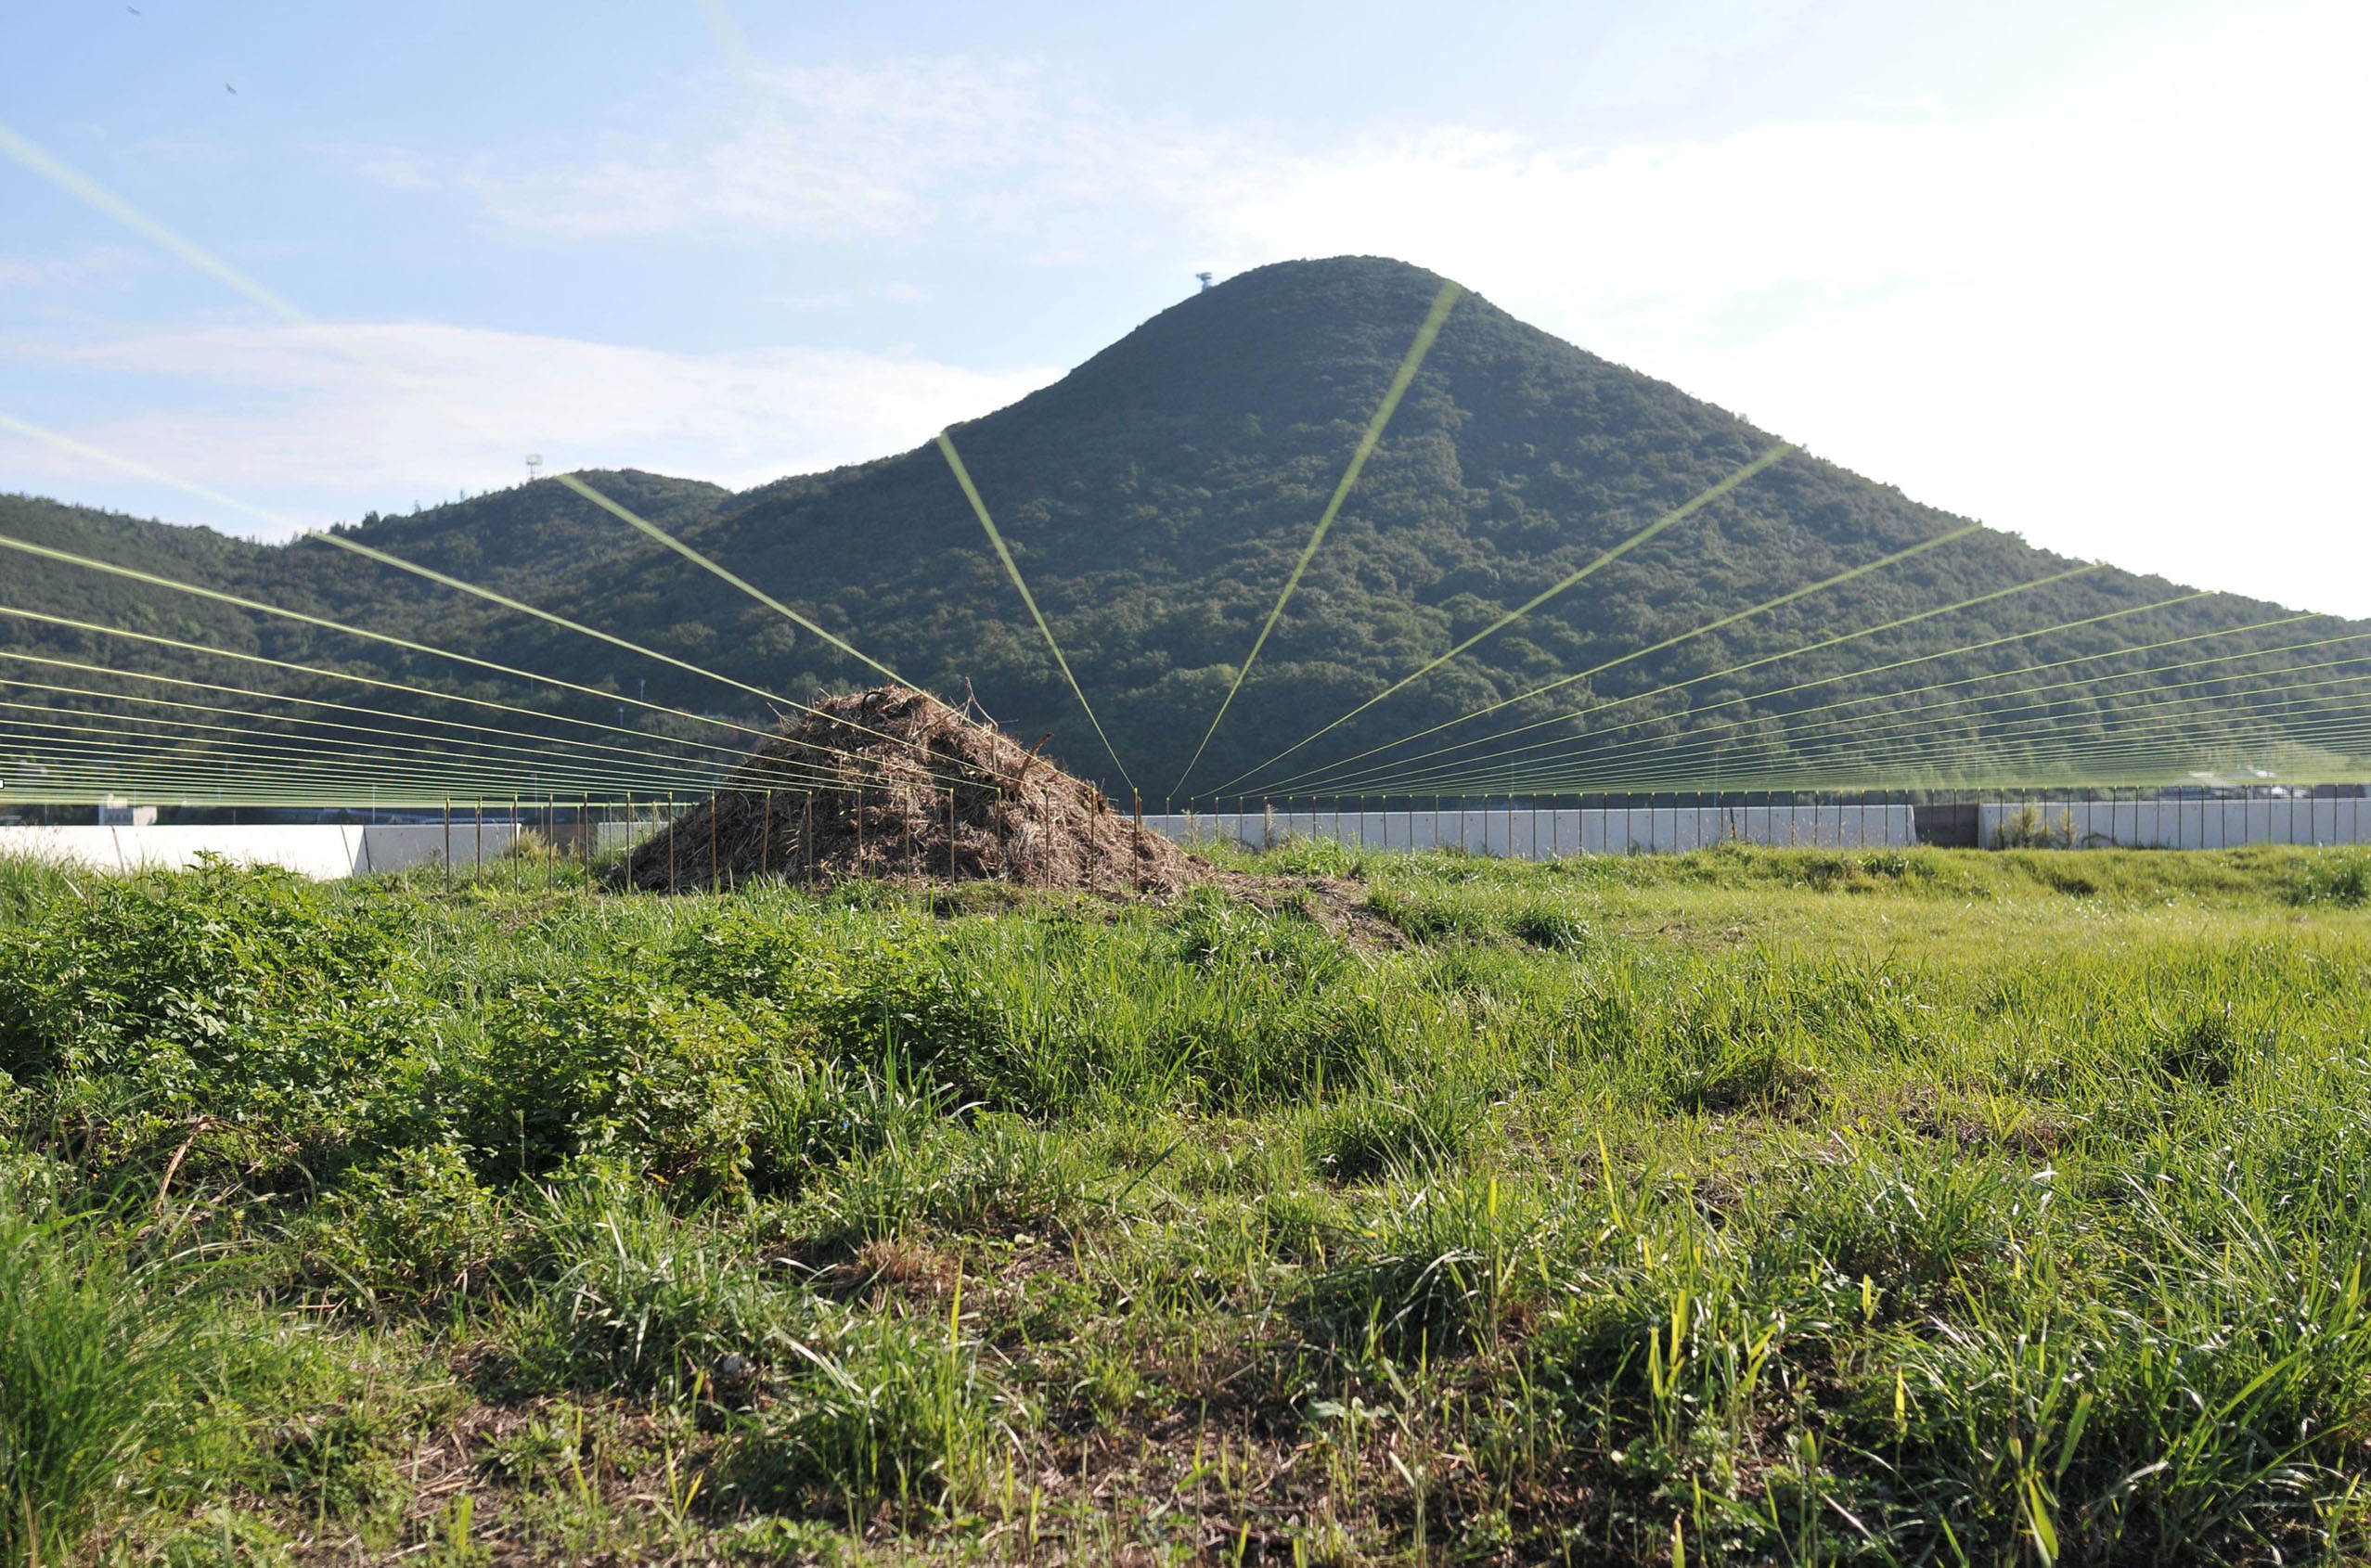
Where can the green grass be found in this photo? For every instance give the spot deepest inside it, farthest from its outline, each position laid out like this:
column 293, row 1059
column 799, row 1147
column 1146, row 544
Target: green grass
column 1768, row 1206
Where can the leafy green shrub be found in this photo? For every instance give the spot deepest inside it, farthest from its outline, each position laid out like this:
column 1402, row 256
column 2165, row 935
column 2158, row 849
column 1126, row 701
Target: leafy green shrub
column 611, row 1059
column 250, row 1004
column 412, row 1230
column 856, row 988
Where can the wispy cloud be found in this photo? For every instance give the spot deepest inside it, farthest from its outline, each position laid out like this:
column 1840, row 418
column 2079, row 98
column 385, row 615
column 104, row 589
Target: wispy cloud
column 841, row 151
column 92, row 265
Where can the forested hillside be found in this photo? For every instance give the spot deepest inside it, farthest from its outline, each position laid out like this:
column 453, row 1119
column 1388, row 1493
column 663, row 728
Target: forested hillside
column 1156, row 498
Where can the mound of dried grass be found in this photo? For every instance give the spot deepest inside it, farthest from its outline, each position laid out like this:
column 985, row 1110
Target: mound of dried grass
column 894, row 783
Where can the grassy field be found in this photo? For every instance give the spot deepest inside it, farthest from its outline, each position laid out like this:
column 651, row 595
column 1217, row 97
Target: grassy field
column 1738, row 1207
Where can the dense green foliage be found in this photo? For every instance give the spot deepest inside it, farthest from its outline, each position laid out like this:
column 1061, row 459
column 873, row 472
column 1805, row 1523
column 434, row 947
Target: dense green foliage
column 1156, row 498
column 1781, row 1206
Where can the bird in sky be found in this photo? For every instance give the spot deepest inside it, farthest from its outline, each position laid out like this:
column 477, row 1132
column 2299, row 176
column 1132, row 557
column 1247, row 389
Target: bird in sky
column 231, row 90
column 134, row 9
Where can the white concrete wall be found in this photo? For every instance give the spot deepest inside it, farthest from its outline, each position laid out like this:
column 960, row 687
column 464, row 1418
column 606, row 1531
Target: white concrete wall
column 2190, row 824
column 323, row 851
column 329, row 850
column 1541, row 835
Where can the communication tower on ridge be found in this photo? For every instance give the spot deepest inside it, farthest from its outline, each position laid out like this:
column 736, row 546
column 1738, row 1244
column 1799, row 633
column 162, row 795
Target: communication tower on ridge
column 1206, row 279
column 534, row 462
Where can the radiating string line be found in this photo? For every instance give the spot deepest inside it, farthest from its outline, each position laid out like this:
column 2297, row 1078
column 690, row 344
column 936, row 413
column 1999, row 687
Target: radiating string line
column 182, row 645
column 48, row 437
column 325, row 623
column 208, row 760
column 1696, row 744
column 77, row 784
column 688, row 553
column 1593, row 737
column 120, row 764
column 474, row 732
column 268, row 740
column 1561, row 681
column 1409, row 364
column 148, row 760
column 384, row 557
column 758, row 691
column 1686, row 510
column 256, row 756
column 686, row 768
column 2142, row 708
column 1866, row 670
column 1011, row 570
column 91, row 192
column 2001, row 726
column 2032, row 765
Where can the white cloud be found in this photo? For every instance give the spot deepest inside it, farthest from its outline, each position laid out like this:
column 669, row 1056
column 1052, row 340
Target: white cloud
column 282, row 418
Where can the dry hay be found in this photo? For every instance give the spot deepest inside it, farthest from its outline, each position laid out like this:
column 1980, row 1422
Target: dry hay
column 877, row 783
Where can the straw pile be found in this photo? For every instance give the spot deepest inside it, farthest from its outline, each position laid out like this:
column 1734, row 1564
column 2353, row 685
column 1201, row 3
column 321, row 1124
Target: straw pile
column 894, row 783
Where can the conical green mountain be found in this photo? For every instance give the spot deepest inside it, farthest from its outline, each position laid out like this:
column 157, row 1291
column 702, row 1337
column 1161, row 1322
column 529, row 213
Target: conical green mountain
column 1156, row 500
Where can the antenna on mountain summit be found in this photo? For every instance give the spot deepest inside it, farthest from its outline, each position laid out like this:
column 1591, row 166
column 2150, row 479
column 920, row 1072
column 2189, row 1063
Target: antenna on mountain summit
column 535, row 461
column 1206, row 279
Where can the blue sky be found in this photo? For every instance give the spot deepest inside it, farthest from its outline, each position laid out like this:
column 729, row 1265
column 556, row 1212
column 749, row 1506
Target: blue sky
column 2087, row 272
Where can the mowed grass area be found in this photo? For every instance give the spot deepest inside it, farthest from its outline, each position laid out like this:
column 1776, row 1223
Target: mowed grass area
column 1747, row 1206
